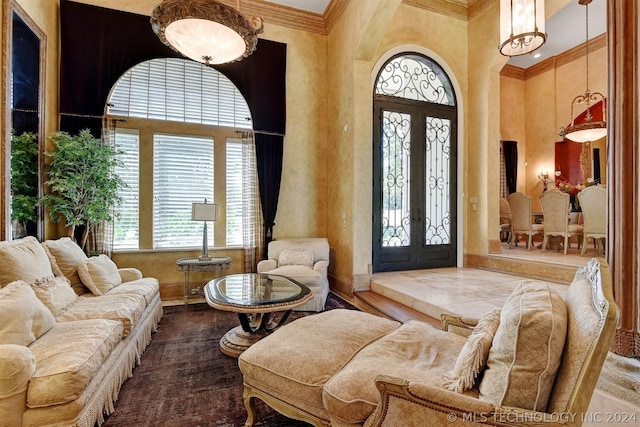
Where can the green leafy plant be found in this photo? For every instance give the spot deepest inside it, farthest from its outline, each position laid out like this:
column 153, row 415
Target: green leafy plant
column 24, row 178
column 83, row 190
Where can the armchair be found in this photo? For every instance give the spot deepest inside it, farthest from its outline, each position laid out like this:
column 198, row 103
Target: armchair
column 347, row 368
column 305, row 260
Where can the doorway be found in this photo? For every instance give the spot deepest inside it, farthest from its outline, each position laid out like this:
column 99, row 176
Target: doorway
column 414, row 166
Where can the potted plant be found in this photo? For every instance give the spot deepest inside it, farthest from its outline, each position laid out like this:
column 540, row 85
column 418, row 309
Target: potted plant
column 83, row 190
column 24, row 182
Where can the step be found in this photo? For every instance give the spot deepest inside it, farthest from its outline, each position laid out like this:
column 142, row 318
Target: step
column 393, row 309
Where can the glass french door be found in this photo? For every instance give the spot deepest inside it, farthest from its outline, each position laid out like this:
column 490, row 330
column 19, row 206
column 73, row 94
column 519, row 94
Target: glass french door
column 415, row 185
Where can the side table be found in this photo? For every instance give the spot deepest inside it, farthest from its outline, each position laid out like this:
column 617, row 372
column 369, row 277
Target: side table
column 198, row 264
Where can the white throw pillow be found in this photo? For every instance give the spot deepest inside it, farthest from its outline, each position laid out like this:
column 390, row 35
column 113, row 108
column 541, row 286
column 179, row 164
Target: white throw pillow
column 296, row 256
column 55, row 292
column 473, row 356
column 527, row 348
column 23, row 259
column 65, row 256
column 23, row 317
column 99, row 274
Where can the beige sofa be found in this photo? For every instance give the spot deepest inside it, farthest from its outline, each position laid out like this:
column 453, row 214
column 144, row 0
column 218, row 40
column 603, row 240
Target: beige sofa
column 72, row 328
column 535, row 361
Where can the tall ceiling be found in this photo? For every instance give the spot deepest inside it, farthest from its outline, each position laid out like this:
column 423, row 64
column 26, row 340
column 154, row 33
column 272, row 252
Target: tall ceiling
column 565, row 29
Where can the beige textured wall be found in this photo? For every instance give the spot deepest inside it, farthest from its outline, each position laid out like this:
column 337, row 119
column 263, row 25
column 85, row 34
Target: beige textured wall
column 513, row 119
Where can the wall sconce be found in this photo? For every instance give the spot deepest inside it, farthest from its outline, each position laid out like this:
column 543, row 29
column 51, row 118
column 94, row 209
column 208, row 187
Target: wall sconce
column 543, row 176
column 204, row 212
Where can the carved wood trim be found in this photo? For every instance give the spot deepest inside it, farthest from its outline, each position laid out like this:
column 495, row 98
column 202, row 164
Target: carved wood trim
column 622, row 175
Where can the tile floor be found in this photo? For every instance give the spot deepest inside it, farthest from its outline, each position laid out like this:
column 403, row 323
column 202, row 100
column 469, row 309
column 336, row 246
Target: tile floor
column 472, row 292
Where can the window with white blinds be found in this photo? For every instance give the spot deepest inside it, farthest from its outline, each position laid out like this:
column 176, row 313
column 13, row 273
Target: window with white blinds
column 179, row 90
column 182, row 174
column 234, row 192
column 126, row 224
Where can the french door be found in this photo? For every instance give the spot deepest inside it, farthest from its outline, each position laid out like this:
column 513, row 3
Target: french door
column 415, row 185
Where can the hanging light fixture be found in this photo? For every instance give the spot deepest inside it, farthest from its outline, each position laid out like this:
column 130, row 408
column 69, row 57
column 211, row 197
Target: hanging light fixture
column 590, row 130
column 521, row 26
column 205, row 30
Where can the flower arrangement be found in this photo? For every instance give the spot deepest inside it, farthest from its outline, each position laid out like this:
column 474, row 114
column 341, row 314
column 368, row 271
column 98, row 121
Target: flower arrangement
column 565, row 186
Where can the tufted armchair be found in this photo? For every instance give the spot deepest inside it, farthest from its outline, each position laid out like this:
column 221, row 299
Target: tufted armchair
column 534, row 362
column 304, row 259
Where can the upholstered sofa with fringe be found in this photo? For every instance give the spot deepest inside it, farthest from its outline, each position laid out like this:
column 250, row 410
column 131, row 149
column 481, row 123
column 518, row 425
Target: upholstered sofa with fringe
column 72, row 328
column 535, row 361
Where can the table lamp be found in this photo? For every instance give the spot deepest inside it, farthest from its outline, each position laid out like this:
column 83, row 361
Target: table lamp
column 204, row 212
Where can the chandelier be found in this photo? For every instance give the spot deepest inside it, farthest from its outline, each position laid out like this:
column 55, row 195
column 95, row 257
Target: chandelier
column 590, row 130
column 205, row 30
column 521, row 26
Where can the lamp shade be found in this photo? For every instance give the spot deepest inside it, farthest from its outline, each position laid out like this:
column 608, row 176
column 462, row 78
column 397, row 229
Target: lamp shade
column 521, row 26
column 204, row 212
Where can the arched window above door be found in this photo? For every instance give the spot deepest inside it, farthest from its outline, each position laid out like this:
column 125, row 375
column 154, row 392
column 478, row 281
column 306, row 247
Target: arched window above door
column 415, row 77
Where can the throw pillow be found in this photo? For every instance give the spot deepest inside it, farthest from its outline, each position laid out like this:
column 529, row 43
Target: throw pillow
column 23, row 318
column 296, row 256
column 55, row 293
column 527, row 348
column 99, row 274
column 473, row 356
column 23, row 259
column 65, row 256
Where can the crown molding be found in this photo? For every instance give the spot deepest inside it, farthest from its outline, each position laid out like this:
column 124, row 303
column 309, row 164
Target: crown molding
column 476, row 7
column 513, row 72
column 455, row 8
column 567, row 56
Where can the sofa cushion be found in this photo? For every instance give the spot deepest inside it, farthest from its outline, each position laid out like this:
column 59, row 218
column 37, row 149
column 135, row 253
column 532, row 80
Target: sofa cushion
column 69, row 356
column 23, row 259
column 296, row 361
column 147, row 287
column 415, row 350
column 527, row 348
column 473, row 356
column 296, row 256
column 17, row 365
column 99, row 274
column 23, row 317
column 65, row 256
column 303, row 274
column 55, row 293
column 125, row 308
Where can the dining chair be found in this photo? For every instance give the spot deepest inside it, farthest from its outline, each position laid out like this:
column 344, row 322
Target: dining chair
column 593, row 201
column 555, row 210
column 505, row 220
column 520, row 205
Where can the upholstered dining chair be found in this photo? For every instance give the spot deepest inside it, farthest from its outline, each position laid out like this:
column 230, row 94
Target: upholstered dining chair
column 505, row 220
column 520, row 205
column 555, row 209
column 593, row 201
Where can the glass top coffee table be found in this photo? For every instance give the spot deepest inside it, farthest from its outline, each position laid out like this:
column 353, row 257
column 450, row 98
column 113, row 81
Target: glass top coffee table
column 254, row 297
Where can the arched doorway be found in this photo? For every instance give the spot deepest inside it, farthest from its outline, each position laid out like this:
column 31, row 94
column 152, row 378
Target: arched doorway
column 414, row 166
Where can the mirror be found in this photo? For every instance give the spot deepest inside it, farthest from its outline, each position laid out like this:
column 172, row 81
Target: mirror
column 23, row 98
column 580, row 162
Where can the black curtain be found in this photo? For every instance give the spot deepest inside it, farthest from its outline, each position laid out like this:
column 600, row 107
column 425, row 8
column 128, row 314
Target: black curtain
column 510, row 151
column 98, row 45
column 269, row 150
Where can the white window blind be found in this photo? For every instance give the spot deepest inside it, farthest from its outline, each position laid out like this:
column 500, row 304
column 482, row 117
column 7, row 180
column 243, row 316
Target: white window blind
column 182, row 174
column 234, row 192
column 126, row 225
column 179, row 90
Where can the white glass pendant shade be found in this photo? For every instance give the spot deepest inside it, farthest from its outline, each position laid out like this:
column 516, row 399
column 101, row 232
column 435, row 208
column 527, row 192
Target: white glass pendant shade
column 522, row 26
column 205, row 41
column 205, row 30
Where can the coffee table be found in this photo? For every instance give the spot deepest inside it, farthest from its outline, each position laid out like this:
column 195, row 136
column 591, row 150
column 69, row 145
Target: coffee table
column 255, row 298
